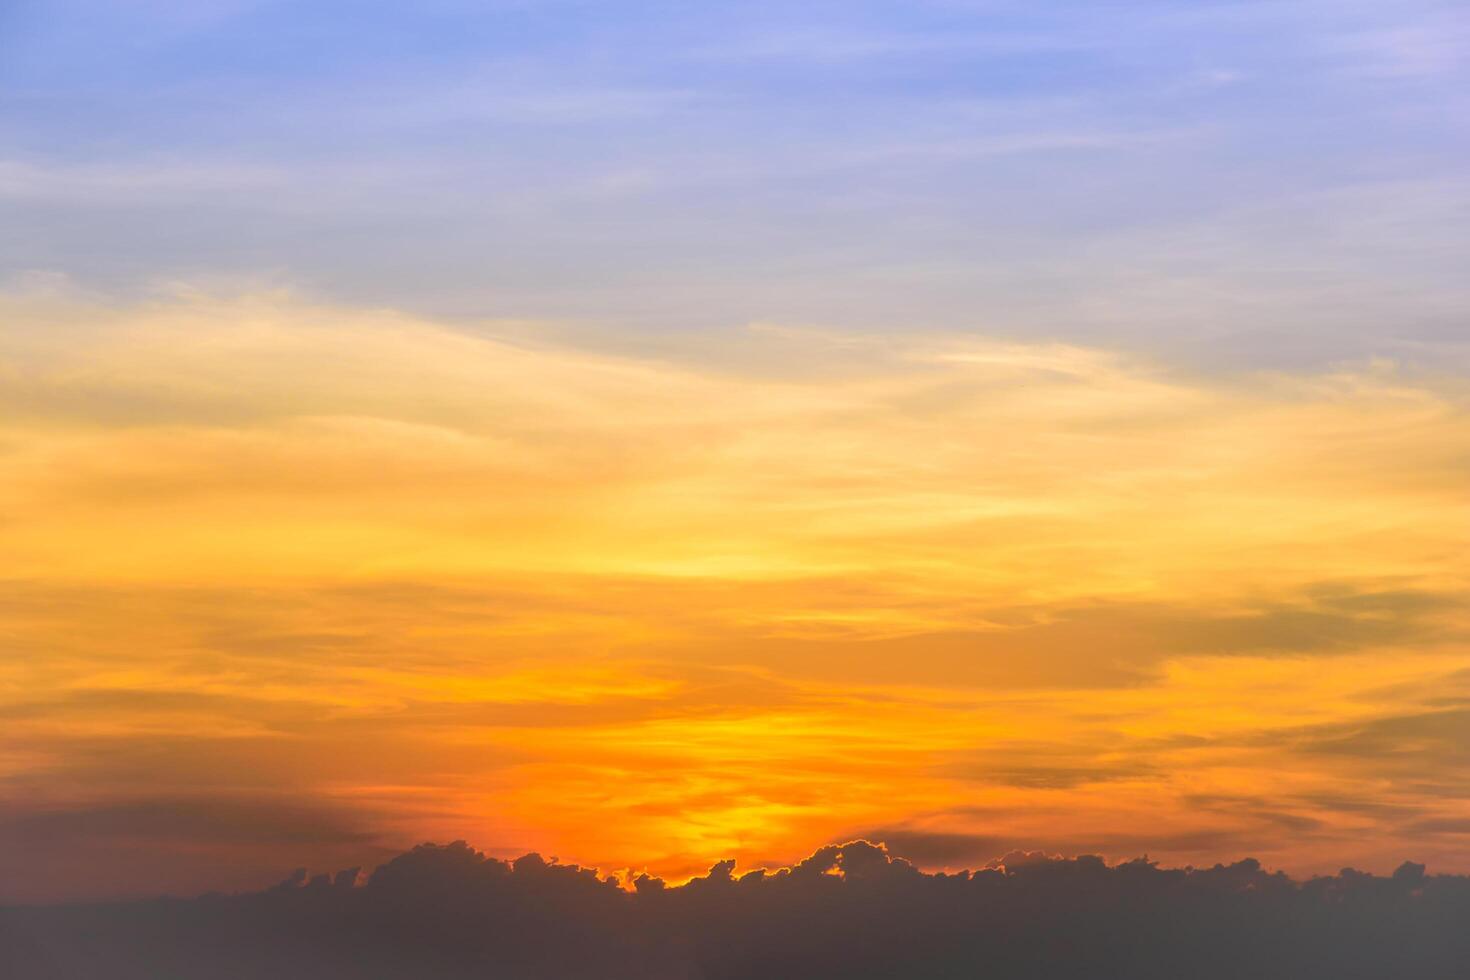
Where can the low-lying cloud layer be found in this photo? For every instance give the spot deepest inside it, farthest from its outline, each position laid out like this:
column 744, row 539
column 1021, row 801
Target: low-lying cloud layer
column 849, row 910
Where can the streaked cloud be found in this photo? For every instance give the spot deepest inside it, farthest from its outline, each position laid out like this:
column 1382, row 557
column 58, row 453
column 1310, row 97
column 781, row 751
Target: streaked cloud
column 659, row 607
column 1224, row 184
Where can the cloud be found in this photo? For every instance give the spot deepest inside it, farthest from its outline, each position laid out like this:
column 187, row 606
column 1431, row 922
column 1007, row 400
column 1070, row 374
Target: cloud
column 940, row 849
column 171, row 843
column 1399, row 745
column 1122, row 643
column 849, row 910
column 187, row 821
column 669, row 606
column 944, row 849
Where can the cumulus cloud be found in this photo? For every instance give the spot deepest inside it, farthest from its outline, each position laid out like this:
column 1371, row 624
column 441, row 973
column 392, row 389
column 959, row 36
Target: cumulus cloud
column 849, row 910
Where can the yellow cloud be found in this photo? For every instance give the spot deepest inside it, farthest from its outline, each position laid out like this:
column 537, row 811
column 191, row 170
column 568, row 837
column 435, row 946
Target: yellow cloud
column 643, row 610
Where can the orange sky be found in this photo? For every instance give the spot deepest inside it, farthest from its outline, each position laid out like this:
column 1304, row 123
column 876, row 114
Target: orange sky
column 290, row 584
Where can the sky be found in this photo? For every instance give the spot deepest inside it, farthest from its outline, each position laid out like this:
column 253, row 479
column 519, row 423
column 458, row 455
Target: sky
column 656, row 433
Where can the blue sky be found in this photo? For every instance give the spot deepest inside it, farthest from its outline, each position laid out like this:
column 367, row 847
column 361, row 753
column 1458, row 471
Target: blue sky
column 1253, row 184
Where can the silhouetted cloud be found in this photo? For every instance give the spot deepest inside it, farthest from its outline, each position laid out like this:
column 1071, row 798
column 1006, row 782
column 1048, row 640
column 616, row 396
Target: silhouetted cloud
column 941, row 848
column 849, row 910
column 953, row 849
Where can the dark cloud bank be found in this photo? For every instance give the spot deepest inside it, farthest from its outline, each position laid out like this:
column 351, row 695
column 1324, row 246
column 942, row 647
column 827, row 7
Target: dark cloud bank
column 850, row 910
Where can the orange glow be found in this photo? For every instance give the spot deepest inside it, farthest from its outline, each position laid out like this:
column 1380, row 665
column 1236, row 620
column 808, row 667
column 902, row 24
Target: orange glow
column 654, row 613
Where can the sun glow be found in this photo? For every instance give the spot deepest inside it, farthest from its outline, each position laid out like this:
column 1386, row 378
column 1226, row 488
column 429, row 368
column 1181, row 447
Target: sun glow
column 654, row 613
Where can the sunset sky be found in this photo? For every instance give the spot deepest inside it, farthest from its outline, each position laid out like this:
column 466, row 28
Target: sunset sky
column 652, row 433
